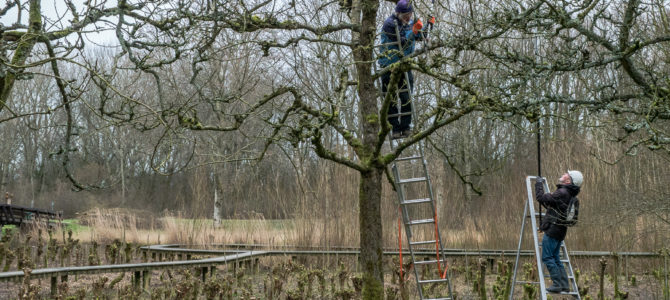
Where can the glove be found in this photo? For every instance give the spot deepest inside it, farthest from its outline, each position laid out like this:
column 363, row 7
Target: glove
column 431, row 21
column 417, row 26
column 539, row 180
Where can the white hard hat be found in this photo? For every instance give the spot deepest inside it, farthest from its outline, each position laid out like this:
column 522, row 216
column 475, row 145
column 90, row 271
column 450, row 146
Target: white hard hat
column 577, row 177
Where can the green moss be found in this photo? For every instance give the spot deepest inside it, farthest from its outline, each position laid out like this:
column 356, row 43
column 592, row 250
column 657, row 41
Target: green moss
column 372, row 288
column 372, row 118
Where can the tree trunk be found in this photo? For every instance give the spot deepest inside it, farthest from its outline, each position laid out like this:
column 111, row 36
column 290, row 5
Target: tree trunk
column 370, row 219
column 365, row 12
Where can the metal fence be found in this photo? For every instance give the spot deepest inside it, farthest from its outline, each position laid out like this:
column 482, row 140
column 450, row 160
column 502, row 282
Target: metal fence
column 244, row 254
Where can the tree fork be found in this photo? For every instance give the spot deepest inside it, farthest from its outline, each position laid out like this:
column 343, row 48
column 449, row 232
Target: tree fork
column 23, row 50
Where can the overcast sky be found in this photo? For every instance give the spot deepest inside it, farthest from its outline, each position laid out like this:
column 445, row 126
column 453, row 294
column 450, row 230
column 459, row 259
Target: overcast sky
column 58, row 16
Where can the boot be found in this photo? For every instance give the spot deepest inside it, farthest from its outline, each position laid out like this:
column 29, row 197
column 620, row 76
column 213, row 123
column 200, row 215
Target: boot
column 555, row 288
column 556, row 279
column 565, row 281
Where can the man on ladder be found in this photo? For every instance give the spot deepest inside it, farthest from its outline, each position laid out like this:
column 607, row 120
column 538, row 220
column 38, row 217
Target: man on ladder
column 397, row 26
column 557, row 204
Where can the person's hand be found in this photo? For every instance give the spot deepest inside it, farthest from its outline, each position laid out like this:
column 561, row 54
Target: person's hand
column 539, row 180
column 417, row 26
column 431, row 21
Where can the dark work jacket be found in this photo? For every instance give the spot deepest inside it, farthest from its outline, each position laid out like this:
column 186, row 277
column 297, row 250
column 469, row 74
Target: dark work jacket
column 390, row 53
column 557, row 205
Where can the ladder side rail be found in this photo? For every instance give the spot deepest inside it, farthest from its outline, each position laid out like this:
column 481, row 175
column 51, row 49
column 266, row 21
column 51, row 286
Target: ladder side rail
column 518, row 252
column 400, row 190
column 401, row 54
column 433, row 204
column 533, row 221
column 440, row 249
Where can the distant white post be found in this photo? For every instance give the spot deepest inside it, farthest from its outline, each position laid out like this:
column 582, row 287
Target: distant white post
column 217, row 216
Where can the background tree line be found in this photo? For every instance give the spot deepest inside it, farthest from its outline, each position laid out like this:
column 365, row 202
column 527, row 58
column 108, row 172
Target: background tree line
column 476, row 155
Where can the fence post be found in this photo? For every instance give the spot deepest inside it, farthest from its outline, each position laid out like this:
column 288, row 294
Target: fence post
column 54, row 286
column 603, row 265
column 666, row 287
column 146, row 276
column 482, row 278
column 136, row 279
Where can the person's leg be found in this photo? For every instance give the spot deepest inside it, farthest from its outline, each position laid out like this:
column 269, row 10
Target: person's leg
column 549, row 250
column 393, row 107
column 563, row 280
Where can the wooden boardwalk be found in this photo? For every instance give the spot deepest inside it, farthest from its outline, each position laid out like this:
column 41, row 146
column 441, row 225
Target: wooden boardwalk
column 22, row 216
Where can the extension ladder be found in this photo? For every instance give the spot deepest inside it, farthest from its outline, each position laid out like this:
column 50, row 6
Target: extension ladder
column 417, row 205
column 529, row 213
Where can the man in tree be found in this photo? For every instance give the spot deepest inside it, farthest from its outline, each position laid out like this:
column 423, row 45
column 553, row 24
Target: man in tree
column 399, row 23
column 554, row 232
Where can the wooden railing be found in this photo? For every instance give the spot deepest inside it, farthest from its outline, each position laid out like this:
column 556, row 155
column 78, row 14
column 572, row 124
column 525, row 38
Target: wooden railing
column 19, row 215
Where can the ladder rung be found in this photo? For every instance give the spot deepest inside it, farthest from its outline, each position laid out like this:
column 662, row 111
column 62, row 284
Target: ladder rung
column 408, row 158
column 433, row 281
column 548, row 276
column 538, row 214
column 400, row 114
column 428, row 262
column 563, row 293
column 424, row 221
column 416, row 201
column 423, row 243
column 412, row 180
column 569, row 293
column 564, row 260
column 398, row 91
column 524, row 282
column 437, row 298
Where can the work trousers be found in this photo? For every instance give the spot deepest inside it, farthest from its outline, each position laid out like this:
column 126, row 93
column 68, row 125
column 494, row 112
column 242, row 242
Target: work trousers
column 401, row 123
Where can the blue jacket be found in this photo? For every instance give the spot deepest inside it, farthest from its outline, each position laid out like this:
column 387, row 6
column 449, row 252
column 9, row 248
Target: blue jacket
column 389, row 53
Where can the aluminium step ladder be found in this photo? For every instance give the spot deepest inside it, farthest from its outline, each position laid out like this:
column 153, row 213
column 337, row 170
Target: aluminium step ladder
column 530, row 214
column 418, row 209
column 419, row 216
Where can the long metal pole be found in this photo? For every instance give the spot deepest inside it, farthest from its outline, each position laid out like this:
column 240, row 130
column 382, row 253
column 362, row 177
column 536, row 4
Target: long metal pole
column 539, row 161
